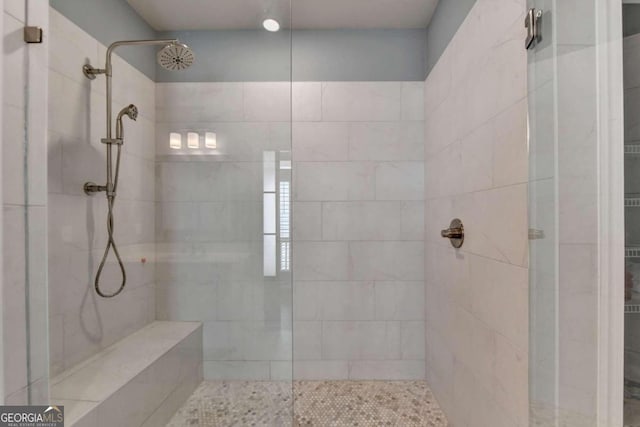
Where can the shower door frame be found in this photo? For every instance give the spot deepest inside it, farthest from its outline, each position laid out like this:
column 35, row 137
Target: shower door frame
column 611, row 233
column 608, row 311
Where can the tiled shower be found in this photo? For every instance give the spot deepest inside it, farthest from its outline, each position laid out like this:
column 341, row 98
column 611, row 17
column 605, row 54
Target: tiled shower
column 282, row 206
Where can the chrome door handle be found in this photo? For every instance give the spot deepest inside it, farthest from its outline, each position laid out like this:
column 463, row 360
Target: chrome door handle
column 455, row 233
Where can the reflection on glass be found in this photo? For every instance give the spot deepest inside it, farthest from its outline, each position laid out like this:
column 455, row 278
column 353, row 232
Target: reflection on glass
column 175, row 141
column 193, row 140
column 269, row 167
column 269, row 255
column 269, row 213
column 210, row 140
column 285, row 204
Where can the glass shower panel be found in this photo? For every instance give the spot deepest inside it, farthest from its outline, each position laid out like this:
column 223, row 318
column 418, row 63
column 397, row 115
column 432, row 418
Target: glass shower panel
column 631, row 56
column 222, row 210
column 574, row 214
column 24, row 252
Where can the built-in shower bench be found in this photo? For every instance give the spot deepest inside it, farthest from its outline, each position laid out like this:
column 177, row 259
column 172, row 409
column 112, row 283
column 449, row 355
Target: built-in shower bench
column 139, row 381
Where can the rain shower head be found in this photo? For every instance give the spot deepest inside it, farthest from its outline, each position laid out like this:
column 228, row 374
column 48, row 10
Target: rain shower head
column 176, row 56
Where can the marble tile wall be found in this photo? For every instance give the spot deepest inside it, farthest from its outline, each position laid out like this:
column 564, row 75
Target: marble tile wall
column 476, row 170
column 24, row 214
column 81, row 323
column 209, row 225
column 357, row 225
column 358, row 150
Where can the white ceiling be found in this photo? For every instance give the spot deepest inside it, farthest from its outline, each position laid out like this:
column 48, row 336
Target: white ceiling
column 168, row 15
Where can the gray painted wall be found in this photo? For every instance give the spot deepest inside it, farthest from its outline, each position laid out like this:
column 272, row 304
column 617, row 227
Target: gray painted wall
column 446, row 20
column 337, row 55
column 375, row 55
column 109, row 21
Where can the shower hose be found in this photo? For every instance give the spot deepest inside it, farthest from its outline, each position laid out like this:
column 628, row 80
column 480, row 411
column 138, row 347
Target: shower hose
column 111, row 243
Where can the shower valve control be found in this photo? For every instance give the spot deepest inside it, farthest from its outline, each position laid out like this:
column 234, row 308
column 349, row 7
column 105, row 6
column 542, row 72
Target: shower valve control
column 455, row 233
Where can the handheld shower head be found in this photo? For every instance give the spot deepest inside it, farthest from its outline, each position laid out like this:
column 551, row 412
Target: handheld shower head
column 130, row 111
column 175, row 56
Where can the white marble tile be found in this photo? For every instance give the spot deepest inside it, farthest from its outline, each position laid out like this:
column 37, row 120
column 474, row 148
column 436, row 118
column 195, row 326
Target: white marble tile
column 511, row 379
column 306, row 300
column 236, row 370
column 358, row 101
column 346, row 301
column 13, row 155
column 320, row 370
column 437, row 86
column 386, row 141
column 412, row 220
column 16, row 8
column 320, row 141
column 99, row 377
column 321, row 261
column 500, row 298
column 184, row 301
column 268, row 340
column 510, row 153
column 400, row 181
column 412, row 340
column 223, row 341
column 386, row 260
column 71, row 48
column 475, row 116
column 386, row 370
column 15, row 51
column 14, row 290
column 327, row 181
column 267, row 102
column 476, row 151
column 307, row 221
column 307, row 340
column 307, row 101
column 399, row 300
column 347, row 340
column 413, row 101
column 363, row 221
column 199, row 102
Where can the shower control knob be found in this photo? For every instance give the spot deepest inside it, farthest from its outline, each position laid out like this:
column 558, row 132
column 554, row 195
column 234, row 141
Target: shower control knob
column 455, row 233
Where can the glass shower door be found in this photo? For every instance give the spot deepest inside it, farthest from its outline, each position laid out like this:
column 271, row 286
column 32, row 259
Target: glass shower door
column 575, row 214
column 25, row 372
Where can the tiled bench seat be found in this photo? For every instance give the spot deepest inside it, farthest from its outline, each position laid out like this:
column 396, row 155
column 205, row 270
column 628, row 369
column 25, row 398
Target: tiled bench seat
column 139, row 381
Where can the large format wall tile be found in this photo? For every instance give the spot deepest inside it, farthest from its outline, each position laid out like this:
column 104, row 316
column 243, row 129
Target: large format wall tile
column 476, row 169
column 358, row 150
column 358, row 228
column 82, row 324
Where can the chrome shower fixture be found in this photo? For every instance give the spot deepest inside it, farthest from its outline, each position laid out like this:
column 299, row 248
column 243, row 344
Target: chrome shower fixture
column 130, row 111
column 174, row 56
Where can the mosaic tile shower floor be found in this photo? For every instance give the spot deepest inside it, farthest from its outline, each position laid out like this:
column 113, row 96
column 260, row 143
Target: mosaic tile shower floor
column 317, row 404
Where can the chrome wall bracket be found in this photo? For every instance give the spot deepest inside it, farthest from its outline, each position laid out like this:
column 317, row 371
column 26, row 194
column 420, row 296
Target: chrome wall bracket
column 91, row 187
column 91, row 72
column 455, row 233
column 32, row 34
column 534, row 28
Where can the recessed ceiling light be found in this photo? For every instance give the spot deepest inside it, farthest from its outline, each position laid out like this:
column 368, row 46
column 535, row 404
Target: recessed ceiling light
column 271, row 25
